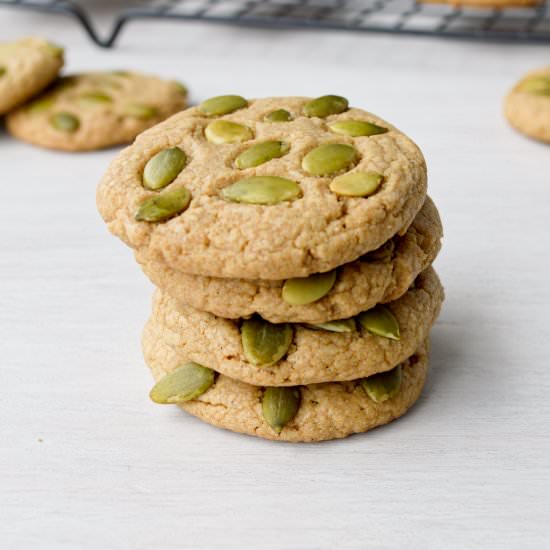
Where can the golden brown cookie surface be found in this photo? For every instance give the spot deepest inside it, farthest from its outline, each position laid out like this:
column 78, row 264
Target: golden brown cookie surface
column 27, row 66
column 313, row 355
column 527, row 106
column 95, row 110
column 307, row 228
column 326, row 411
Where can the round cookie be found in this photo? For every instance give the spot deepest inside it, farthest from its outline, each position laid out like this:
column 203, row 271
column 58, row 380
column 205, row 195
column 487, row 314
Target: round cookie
column 377, row 277
column 95, row 110
column 313, row 355
column 527, row 106
column 27, row 66
column 326, row 411
column 289, row 227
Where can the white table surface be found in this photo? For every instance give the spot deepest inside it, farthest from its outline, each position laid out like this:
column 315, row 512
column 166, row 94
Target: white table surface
column 88, row 462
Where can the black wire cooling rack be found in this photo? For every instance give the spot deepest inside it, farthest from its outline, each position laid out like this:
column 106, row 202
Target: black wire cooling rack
column 381, row 16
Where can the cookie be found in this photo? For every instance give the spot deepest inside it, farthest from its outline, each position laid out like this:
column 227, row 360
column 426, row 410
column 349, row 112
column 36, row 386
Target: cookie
column 302, row 354
column 527, row 106
column 377, row 277
column 95, row 110
column 320, row 412
column 264, row 189
column 27, row 66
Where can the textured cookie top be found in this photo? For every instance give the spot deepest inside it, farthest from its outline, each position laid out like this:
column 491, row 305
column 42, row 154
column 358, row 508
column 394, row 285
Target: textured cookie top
column 377, row 277
column 292, row 227
column 312, row 355
column 527, row 106
column 94, row 110
column 324, row 411
column 26, row 67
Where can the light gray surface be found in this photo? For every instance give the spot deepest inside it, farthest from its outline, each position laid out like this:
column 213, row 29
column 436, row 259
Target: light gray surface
column 86, row 461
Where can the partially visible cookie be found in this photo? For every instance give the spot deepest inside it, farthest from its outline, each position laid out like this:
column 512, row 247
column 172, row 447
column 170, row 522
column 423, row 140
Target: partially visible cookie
column 377, row 277
column 95, row 110
column 307, row 355
column 322, row 411
column 527, row 106
column 27, row 66
column 259, row 196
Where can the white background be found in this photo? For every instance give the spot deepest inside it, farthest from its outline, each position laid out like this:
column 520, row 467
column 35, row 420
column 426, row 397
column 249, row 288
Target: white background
column 87, row 462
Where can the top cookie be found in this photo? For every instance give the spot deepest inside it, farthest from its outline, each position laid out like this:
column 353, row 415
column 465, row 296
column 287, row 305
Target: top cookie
column 254, row 189
column 527, row 106
column 27, row 66
column 95, row 110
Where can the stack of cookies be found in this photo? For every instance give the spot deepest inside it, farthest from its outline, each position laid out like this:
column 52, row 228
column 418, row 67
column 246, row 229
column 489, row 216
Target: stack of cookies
column 291, row 241
column 78, row 112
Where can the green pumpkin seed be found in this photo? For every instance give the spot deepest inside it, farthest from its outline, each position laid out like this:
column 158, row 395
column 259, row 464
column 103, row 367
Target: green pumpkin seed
column 182, row 384
column 40, row 105
column 356, row 184
column 306, row 290
column 326, row 105
column 538, row 85
column 222, row 105
column 267, row 190
column 279, row 115
column 65, row 122
column 384, row 385
column 343, row 325
column 159, row 208
column 329, row 159
column 94, row 98
column 120, row 72
column 356, row 128
column 137, row 110
column 163, row 168
column 54, row 49
column 225, row 131
column 181, row 88
column 380, row 321
column 2, row 71
column 261, row 153
column 279, row 406
column 265, row 343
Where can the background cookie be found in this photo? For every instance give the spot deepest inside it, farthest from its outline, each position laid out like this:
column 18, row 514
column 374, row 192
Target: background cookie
column 293, row 228
column 95, row 110
column 326, row 411
column 527, row 106
column 27, row 66
column 313, row 355
column 377, row 277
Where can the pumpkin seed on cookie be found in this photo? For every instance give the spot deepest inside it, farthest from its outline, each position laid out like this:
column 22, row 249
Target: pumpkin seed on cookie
column 325, row 106
column 183, row 384
column 65, row 122
column 265, row 343
column 168, row 204
column 329, row 159
column 266, row 190
column 163, row 168
column 222, row 105
column 343, row 325
column 356, row 128
column 279, row 115
column 356, row 184
column 380, row 321
column 279, row 406
column 306, row 290
column 261, row 153
column 225, row 131
column 383, row 386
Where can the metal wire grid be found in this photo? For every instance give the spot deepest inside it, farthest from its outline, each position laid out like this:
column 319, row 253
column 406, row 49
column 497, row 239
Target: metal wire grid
column 387, row 16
